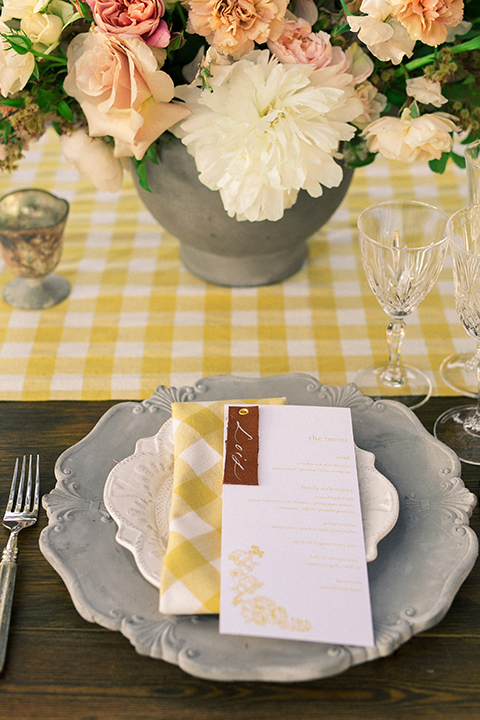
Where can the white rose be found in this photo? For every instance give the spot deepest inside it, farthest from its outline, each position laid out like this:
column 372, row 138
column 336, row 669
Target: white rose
column 17, row 8
column 44, row 29
column 409, row 139
column 426, row 91
column 94, row 159
column 15, row 69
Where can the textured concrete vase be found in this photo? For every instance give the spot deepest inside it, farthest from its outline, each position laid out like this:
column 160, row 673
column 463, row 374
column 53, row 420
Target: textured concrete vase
column 218, row 248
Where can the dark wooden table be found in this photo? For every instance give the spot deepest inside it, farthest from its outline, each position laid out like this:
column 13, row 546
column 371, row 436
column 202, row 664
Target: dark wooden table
column 60, row 666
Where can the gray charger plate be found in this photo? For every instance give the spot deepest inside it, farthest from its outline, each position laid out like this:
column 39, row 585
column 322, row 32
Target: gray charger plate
column 419, row 568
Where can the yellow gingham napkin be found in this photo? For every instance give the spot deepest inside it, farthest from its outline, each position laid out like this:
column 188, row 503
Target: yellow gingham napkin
column 190, row 579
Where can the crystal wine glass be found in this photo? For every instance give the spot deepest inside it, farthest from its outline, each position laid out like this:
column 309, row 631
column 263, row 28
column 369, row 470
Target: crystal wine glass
column 459, row 370
column 403, row 245
column 459, row 427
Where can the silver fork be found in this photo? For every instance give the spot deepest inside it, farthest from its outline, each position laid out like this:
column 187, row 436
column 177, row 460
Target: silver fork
column 21, row 512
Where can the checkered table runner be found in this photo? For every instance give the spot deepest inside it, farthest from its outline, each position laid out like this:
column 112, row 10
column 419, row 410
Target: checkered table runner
column 136, row 318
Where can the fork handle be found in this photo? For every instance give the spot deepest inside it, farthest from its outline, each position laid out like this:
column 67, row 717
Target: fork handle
column 8, row 572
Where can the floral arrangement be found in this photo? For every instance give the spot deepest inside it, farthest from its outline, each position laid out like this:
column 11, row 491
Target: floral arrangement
column 269, row 97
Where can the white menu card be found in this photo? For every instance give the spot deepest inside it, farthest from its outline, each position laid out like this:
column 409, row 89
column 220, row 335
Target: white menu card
column 293, row 556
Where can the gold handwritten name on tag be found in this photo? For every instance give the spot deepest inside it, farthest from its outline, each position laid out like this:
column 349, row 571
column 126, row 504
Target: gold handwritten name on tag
column 241, row 446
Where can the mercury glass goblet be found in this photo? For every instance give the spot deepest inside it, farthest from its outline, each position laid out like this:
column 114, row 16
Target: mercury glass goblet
column 459, row 370
column 31, row 234
column 459, row 427
column 403, row 245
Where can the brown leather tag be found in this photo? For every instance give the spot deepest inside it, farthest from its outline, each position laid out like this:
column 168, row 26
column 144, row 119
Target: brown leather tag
column 241, row 446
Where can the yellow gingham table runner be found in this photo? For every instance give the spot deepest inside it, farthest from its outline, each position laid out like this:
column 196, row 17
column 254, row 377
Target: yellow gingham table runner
column 136, row 318
column 190, row 579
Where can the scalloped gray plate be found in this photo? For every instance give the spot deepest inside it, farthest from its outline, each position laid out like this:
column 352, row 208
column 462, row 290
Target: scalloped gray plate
column 421, row 563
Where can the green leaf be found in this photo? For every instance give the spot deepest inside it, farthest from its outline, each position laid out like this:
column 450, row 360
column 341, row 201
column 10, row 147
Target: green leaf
column 13, row 102
column 44, row 99
column 151, row 153
column 438, row 166
column 414, row 110
column 65, row 111
column 141, row 167
column 459, row 160
column 20, row 43
column 6, row 130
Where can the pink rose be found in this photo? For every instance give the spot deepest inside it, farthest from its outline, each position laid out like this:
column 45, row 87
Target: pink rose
column 132, row 17
column 122, row 92
column 299, row 45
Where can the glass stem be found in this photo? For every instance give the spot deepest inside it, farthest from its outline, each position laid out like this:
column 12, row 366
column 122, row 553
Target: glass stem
column 472, row 423
column 393, row 375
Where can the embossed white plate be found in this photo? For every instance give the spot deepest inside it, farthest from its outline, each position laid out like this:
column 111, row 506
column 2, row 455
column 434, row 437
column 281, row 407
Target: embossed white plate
column 138, row 494
column 421, row 563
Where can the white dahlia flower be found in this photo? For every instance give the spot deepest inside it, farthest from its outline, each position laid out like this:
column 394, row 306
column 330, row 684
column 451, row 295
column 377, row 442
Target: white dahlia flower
column 268, row 130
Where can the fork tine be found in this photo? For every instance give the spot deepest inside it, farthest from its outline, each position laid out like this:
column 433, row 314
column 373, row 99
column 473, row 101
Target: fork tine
column 28, row 495
column 11, row 497
column 19, row 505
column 36, row 499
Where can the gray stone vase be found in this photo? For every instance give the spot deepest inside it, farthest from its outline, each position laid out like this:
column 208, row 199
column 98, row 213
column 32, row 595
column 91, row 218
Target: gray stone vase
column 218, row 248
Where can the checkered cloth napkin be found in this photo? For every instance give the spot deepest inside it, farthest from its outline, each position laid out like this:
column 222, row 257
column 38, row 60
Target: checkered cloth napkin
column 190, row 579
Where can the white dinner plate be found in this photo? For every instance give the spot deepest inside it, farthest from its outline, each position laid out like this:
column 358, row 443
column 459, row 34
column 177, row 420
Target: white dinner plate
column 138, row 495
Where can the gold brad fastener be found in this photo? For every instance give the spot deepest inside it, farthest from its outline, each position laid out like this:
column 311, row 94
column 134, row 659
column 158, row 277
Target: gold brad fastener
column 243, row 411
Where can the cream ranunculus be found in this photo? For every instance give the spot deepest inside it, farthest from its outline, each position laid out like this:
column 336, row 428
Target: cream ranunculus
column 426, row 91
column 94, row 159
column 122, row 92
column 42, row 29
column 15, row 69
column 410, row 138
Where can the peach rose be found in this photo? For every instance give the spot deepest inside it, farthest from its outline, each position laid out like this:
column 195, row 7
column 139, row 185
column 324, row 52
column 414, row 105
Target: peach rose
column 409, row 139
column 298, row 44
column 132, row 17
column 428, row 20
column 121, row 91
column 234, row 26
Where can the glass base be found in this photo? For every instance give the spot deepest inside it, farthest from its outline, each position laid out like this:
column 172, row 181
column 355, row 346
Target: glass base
column 413, row 391
column 450, row 430
column 459, row 372
column 36, row 293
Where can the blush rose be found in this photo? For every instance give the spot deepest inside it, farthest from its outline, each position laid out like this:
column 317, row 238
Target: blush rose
column 122, row 92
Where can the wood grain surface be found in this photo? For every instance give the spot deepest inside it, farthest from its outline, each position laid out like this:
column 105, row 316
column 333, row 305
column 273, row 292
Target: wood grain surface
column 61, row 667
